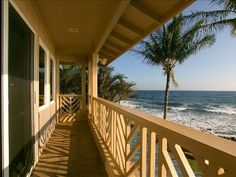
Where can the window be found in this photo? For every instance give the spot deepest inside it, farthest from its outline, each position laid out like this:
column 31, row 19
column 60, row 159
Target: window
column 41, row 76
column 51, row 80
column 20, row 74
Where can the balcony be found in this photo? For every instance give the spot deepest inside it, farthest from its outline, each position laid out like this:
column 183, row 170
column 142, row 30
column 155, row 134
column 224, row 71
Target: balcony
column 130, row 143
column 44, row 133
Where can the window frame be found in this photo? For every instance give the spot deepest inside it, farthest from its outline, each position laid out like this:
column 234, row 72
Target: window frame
column 51, row 58
column 46, row 73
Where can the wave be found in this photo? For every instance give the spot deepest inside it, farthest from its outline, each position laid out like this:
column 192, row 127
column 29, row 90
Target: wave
column 131, row 104
column 178, row 108
column 219, row 116
column 222, row 110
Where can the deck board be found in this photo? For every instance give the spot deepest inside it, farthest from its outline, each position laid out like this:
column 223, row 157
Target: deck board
column 70, row 152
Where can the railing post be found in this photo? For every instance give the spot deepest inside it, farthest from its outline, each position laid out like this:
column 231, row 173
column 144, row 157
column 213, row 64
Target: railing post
column 112, row 130
column 162, row 146
column 59, row 99
column 114, row 134
column 144, row 153
column 127, row 149
column 70, row 98
column 81, row 107
column 152, row 154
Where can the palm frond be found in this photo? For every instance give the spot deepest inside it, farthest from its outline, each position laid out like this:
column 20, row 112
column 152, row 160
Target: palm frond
column 207, row 16
column 172, row 76
column 195, row 46
column 227, row 4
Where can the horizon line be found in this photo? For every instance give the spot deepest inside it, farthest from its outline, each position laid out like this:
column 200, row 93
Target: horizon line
column 187, row 90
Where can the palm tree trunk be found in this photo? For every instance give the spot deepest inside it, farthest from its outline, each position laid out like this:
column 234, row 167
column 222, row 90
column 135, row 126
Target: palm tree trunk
column 166, row 94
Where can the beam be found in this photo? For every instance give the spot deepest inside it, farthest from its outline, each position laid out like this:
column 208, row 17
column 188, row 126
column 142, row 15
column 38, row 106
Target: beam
column 115, row 50
column 106, row 55
column 114, row 45
column 112, row 22
column 121, row 37
column 131, row 27
column 146, row 11
column 109, row 50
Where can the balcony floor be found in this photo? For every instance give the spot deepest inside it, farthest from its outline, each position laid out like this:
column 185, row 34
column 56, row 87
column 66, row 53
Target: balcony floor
column 70, row 152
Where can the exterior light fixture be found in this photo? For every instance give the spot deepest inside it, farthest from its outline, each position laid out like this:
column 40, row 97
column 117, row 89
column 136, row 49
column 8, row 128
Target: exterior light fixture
column 73, row 30
column 103, row 61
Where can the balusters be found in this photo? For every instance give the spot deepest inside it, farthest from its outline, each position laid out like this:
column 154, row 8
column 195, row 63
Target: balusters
column 70, row 103
column 131, row 140
column 143, row 169
column 152, row 154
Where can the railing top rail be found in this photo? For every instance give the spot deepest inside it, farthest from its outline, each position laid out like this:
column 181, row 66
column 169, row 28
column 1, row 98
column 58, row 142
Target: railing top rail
column 78, row 95
column 174, row 129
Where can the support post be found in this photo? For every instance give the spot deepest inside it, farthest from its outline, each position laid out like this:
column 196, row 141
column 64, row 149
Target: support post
column 92, row 77
column 83, row 84
column 57, row 99
column 94, row 82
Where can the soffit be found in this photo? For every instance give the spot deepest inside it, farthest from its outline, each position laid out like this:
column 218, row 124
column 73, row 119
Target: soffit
column 90, row 17
column 140, row 18
column 135, row 21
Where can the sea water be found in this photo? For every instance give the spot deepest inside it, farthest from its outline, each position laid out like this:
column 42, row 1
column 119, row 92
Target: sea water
column 209, row 111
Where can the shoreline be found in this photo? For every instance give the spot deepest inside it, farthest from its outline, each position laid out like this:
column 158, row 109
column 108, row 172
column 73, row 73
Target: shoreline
column 229, row 138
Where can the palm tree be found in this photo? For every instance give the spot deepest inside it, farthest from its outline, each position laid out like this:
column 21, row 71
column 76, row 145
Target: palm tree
column 70, row 79
column 171, row 45
column 216, row 20
column 113, row 87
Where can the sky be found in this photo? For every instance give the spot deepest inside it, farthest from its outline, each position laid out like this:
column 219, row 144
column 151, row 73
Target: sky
column 212, row 68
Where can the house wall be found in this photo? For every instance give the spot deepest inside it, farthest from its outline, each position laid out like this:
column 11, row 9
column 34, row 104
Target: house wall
column 44, row 117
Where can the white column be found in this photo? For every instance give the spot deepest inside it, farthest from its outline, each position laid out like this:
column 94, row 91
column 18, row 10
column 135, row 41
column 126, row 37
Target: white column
column 57, row 85
column 83, row 85
column 94, row 82
column 4, row 90
column 92, row 78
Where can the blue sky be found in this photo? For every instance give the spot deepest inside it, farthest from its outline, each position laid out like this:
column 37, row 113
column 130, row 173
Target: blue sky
column 212, row 68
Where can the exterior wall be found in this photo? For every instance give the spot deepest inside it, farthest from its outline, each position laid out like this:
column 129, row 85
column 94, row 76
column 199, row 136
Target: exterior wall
column 44, row 117
column 47, row 122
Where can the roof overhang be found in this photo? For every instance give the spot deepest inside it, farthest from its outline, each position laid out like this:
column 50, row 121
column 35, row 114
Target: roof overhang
column 109, row 28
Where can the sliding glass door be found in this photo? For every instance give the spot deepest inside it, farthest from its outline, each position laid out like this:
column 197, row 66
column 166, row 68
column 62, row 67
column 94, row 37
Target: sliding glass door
column 21, row 40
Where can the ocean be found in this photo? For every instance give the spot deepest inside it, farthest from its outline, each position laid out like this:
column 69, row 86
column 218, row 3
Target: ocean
column 209, row 111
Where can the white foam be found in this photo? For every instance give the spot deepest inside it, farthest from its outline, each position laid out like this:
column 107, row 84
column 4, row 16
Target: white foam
column 179, row 108
column 131, row 104
column 217, row 125
column 223, row 110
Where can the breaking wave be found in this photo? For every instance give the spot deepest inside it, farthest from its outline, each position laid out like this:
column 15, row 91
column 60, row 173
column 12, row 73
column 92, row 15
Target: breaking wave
column 222, row 110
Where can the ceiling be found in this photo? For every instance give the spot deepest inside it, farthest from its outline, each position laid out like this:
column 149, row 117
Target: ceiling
column 109, row 27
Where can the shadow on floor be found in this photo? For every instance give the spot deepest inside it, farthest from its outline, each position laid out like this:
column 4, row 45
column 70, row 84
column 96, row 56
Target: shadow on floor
column 70, row 152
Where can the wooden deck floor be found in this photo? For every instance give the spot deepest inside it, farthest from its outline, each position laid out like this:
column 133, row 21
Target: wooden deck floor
column 70, row 152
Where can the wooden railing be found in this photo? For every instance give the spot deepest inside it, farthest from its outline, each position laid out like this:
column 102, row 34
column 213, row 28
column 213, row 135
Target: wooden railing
column 144, row 145
column 70, row 103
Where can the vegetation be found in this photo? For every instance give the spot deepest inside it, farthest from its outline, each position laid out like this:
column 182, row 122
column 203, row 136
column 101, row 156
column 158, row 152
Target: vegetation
column 217, row 20
column 173, row 44
column 113, row 87
column 70, row 79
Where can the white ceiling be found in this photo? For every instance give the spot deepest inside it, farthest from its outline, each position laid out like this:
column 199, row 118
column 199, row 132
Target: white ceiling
column 135, row 20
